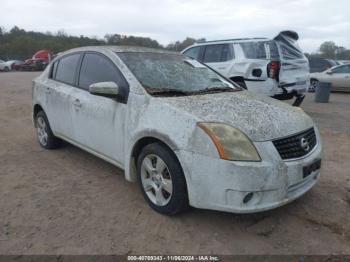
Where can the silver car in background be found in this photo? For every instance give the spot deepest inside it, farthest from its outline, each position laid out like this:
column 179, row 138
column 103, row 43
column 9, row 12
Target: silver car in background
column 338, row 76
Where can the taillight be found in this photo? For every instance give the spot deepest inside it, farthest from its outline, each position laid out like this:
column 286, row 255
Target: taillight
column 273, row 69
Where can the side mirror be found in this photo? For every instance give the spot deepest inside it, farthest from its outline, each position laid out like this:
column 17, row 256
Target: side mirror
column 107, row 89
column 329, row 72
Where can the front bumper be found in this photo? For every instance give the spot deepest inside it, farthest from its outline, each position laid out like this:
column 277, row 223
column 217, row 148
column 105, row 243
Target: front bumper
column 224, row 185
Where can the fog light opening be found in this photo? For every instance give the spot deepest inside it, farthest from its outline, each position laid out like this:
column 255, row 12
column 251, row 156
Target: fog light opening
column 248, row 197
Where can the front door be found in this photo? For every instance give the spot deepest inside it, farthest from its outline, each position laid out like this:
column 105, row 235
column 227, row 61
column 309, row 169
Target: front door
column 99, row 122
column 219, row 57
column 341, row 76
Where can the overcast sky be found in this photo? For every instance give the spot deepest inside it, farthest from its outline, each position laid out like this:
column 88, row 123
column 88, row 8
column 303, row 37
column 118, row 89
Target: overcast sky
column 316, row 21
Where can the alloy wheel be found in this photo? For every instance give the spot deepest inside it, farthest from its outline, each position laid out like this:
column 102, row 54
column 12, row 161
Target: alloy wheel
column 313, row 85
column 41, row 130
column 156, row 180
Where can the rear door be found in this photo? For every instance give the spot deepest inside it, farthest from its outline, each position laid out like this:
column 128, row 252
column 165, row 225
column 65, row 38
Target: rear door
column 219, row 57
column 58, row 91
column 294, row 70
column 98, row 121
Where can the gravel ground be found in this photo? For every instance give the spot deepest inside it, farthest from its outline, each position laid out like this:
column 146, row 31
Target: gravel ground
column 67, row 201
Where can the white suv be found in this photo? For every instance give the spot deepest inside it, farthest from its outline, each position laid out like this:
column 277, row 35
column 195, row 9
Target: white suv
column 275, row 67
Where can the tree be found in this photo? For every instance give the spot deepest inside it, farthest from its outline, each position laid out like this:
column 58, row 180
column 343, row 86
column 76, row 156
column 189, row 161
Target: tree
column 117, row 39
column 178, row 46
column 21, row 44
column 330, row 50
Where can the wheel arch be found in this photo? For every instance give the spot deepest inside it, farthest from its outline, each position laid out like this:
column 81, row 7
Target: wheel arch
column 36, row 109
column 137, row 147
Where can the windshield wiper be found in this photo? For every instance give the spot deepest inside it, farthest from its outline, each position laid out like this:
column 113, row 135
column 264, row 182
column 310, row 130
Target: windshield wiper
column 210, row 90
column 166, row 92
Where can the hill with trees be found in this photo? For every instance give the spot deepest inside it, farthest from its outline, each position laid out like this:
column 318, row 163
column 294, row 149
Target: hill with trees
column 20, row 44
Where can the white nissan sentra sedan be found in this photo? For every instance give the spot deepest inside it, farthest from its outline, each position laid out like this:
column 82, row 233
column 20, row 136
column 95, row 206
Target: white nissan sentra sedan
column 189, row 136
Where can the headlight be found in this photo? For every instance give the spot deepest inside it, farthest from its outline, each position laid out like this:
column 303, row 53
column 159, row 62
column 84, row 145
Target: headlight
column 230, row 142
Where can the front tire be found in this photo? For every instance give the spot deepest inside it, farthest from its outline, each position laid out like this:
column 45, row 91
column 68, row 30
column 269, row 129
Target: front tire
column 44, row 133
column 6, row 69
column 161, row 180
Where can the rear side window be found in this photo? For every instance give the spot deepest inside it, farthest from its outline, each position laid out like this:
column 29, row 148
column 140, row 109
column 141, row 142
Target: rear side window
column 193, row 52
column 218, row 53
column 260, row 50
column 254, row 50
column 66, row 69
column 96, row 68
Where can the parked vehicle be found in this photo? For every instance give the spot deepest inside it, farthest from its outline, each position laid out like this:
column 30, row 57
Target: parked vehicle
column 38, row 62
column 15, row 64
column 188, row 135
column 274, row 67
column 42, row 54
column 320, row 64
column 338, row 76
column 4, row 66
column 34, row 65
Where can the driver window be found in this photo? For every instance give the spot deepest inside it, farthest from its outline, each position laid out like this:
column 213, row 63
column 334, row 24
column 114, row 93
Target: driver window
column 96, row 68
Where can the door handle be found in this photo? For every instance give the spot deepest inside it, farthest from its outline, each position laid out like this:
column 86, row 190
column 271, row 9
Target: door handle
column 77, row 103
column 47, row 90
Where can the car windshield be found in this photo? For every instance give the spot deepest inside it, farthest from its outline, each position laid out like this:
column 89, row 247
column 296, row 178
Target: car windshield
column 260, row 50
column 173, row 74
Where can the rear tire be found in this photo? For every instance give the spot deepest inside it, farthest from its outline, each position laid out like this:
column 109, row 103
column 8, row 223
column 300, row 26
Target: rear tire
column 44, row 133
column 6, row 69
column 313, row 85
column 161, row 180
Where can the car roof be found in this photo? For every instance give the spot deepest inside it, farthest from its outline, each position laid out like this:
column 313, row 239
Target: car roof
column 234, row 40
column 122, row 49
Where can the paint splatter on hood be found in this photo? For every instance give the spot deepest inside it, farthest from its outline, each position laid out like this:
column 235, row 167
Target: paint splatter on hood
column 260, row 117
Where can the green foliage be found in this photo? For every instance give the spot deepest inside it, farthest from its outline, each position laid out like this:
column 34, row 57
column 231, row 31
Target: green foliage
column 117, row 39
column 20, row 44
column 178, row 46
column 330, row 50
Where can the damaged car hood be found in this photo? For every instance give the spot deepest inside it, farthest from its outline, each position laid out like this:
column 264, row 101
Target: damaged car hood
column 260, row 117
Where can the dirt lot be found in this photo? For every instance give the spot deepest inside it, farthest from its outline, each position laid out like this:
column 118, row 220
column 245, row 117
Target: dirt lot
column 67, row 201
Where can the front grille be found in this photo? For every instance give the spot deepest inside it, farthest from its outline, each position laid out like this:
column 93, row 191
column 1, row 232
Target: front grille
column 296, row 146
